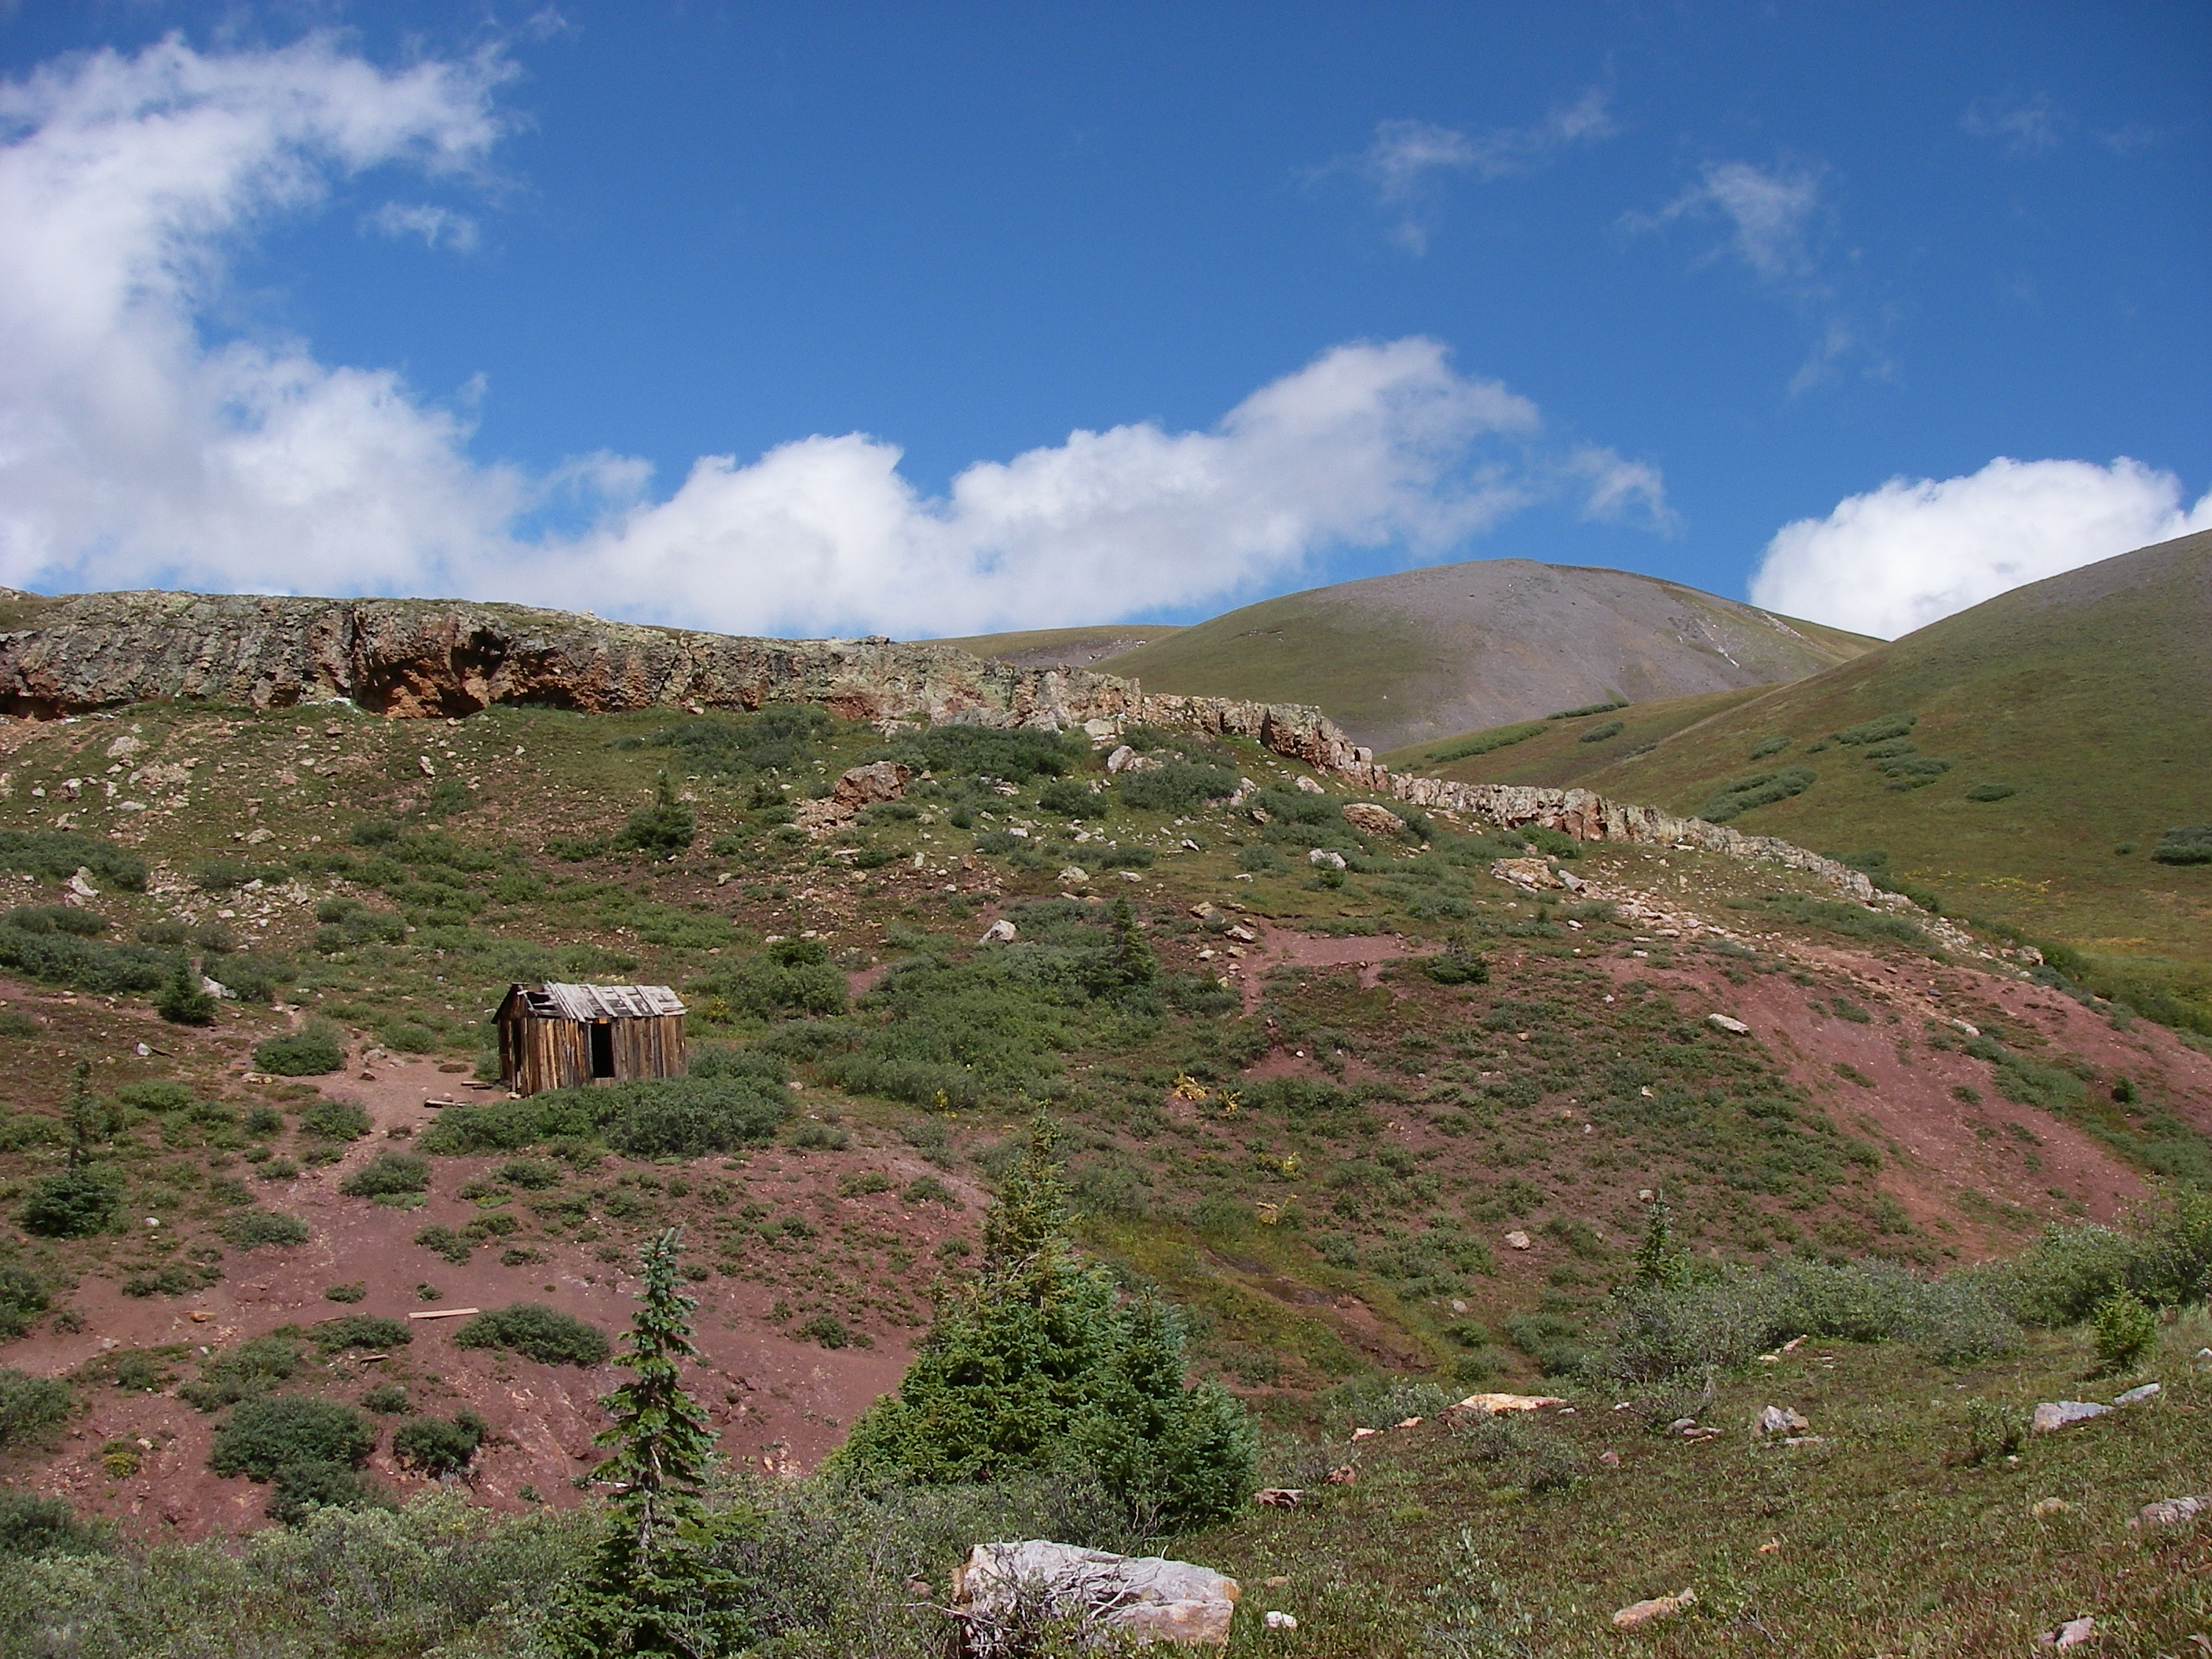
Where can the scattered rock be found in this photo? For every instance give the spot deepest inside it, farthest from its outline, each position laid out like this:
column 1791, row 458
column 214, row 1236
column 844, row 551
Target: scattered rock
column 1518, row 1240
column 1375, row 820
column 1610, row 1459
column 1279, row 1498
column 80, row 885
column 2071, row 1634
column 1365, row 1434
column 2044, row 1506
column 1311, row 787
column 2138, row 1395
column 1119, row 759
column 1772, row 1546
column 1279, row 1581
column 1344, row 1475
column 1001, row 929
column 1722, row 1023
column 1659, row 1606
column 1491, row 1404
column 1145, row 1597
column 1781, row 1419
column 2171, row 1512
column 1074, row 875
column 1280, row 1620
column 1525, row 872
column 215, row 988
column 1321, row 858
column 2054, row 1414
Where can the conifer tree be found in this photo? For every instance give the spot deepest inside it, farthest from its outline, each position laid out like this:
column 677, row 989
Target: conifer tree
column 184, row 1001
column 652, row 1584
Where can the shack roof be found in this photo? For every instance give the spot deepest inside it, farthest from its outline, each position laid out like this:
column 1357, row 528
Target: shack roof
column 588, row 1003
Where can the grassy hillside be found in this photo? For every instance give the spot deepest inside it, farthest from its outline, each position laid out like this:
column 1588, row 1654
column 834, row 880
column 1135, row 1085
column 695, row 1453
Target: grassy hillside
column 1062, row 647
column 1563, row 752
column 1419, row 655
column 2056, row 734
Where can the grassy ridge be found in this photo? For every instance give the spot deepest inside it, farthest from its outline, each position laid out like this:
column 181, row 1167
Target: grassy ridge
column 1558, row 754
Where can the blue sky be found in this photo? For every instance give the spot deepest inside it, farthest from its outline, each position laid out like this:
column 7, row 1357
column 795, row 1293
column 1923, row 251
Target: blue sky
column 323, row 298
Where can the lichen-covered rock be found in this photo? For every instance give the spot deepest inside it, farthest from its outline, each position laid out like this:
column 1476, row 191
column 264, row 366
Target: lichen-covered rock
column 1375, row 820
column 1003, row 1588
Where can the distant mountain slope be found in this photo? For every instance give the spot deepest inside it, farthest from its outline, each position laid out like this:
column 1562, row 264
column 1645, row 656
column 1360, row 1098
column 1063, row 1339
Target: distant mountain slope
column 2088, row 697
column 1060, row 647
column 1423, row 653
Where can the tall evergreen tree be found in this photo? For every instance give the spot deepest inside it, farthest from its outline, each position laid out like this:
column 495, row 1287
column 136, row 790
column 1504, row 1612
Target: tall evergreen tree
column 652, row 1585
column 1038, row 1362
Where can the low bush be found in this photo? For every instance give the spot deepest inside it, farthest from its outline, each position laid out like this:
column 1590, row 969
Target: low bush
column 2124, row 1330
column 366, row 1331
column 1767, row 746
column 83, row 964
column 296, row 1491
column 1552, row 843
column 1482, row 744
column 538, row 1332
column 73, row 1203
column 253, row 1368
column 1589, row 708
column 435, row 1447
column 1459, row 966
column 30, row 1407
column 532, row 1174
column 54, row 919
column 32, row 1526
column 387, row 1400
column 23, row 1298
column 1992, row 791
column 1070, row 799
column 1606, row 729
column 266, row 1434
column 386, row 1174
column 1878, row 731
column 313, row 1052
column 57, row 855
column 251, row 1229
column 1175, row 787
column 1759, row 789
column 335, row 1120
column 664, row 828
column 1262, row 860
column 2192, row 844
column 793, row 977
column 176, row 1279
column 682, row 1117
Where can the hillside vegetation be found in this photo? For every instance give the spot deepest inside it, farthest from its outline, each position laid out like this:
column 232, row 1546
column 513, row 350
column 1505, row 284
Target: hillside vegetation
column 2045, row 743
column 1422, row 654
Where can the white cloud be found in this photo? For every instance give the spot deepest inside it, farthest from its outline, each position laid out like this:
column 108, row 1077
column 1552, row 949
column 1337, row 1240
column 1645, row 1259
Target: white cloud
column 1771, row 214
column 1403, row 163
column 432, row 224
column 135, row 449
column 2027, row 126
column 1915, row 550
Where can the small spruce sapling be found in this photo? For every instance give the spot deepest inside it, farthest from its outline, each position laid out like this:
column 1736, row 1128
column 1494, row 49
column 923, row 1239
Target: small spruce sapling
column 653, row 1584
column 184, row 1001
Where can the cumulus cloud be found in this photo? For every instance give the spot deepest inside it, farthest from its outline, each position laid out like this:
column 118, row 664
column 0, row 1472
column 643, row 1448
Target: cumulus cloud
column 137, row 447
column 1915, row 550
column 434, row 225
column 1403, row 165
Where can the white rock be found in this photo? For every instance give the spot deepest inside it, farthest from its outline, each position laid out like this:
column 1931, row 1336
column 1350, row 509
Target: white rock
column 1321, row 858
column 1001, row 929
column 428, row 770
column 1310, row 787
column 1722, row 1023
column 1659, row 1606
column 1280, row 1620
column 1119, row 759
column 2071, row 1634
column 1375, row 820
column 1074, row 875
column 1781, row 1419
column 1489, row 1405
column 1146, row 1597
column 215, row 988
column 2053, row 1415
column 79, row 885
column 1518, row 1240
column 2137, row 1396
column 2171, row 1512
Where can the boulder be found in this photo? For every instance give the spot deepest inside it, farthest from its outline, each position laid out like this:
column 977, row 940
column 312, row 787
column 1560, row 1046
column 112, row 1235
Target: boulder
column 2053, row 1415
column 1781, row 1419
column 1321, row 858
column 1722, row 1023
column 863, row 786
column 1524, row 872
column 2171, row 1512
column 1310, row 787
column 2074, row 1633
column 1489, row 1405
column 2137, row 1396
column 1659, row 1606
column 1119, row 759
column 1004, row 1590
column 1074, row 875
column 1375, row 820
column 1517, row 1240
column 1001, row 930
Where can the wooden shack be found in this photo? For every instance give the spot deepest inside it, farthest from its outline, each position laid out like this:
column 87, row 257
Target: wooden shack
column 567, row 1037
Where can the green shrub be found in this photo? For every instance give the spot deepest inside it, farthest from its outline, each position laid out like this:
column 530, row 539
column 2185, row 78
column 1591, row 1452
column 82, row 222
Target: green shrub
column 244, row 1372
column 1879, row 731
column 1552, row 843
column 311, row 1053
column 73, row 1203
column 177, row 1278
column 335, row 1120
column 665, row 827
column 1599, row 732
column 57, row 855
column 1175, row 787
column 32, row 1526
column 55, row 919
column 928, row 1189
column 366, row 1331
column 185, row 999
column 1261, row 860
column 1994, row 1430
column 223, row 874
column 29, row 1406
column 435, row 1447
column 538, row 1332
column 1459, row 966
column 1589, row 708
column 270, row 1433
column 297, row 1490
column 388, row 1173
column 530, row 1173
column 1071, row 799
column 23, row 1298
column 793, row 977
column 825, row 1329
column 1992, row 791
column 1767, row 746
column 1759, row 789
column 2125, row 1331
column 1912, row 771
column 357, row 1290
column 2189, row 845
column 251, row 1229
column 986, row 752
column 1039, row 1362
column 387, row 1400
column 1136, row 858
column 682, row 1117
column 1484, row 743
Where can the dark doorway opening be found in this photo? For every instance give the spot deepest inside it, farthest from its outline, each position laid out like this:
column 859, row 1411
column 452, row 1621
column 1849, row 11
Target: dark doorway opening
column 603, row 1050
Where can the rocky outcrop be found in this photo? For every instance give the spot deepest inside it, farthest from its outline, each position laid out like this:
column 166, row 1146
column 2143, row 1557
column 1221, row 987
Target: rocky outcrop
column 1005, row 1595
column 418, row 658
